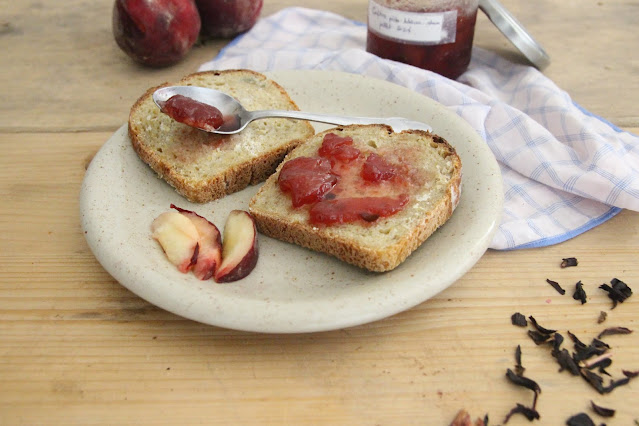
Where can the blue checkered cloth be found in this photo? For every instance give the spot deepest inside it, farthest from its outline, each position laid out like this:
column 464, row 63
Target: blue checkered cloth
column 564, row 170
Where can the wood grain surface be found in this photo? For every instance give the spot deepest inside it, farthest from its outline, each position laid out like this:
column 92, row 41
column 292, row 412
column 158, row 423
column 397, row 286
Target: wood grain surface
column 77, row 348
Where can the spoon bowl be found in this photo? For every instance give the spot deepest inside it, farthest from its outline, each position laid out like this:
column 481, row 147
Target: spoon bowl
column 236, row 117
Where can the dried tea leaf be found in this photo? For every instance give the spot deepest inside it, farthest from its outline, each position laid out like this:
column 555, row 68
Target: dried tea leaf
column 596, row 347
column 583, row 351
column 630, row 374
column 537, row 337
column 621, row 286
column 580, row 293
column 524, row 382
column 569, row 261
column 594, row 379
column 563, row 357
column 614, row 330
column 556, row 286
column 558, row 339
column 618, row 291
column 518, row 320
column 581, row 419
column 530, row 413
column 603, row 412
column 616, row 383
column 578, row 344
column 519, row 368
column 602, row 317
column 566, row 362
column 602, row 370
column 603, row 346
column 539, row 327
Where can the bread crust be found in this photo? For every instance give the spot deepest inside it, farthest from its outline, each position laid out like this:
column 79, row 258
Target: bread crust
column 234, row 177
column 293, row 226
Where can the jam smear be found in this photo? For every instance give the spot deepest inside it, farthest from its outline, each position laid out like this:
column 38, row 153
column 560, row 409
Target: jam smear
column 306, row 179
column 338, row 148
column 343, row 184
column 193, row 113
column 376, row 169
column 345, row 210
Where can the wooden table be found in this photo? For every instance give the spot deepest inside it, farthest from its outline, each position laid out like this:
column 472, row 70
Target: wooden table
column 78, row 348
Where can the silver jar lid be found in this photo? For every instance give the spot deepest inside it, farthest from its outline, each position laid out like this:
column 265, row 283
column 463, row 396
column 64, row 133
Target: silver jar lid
column 515, row 32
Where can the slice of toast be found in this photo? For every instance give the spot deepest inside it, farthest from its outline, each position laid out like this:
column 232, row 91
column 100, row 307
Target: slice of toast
column 203, row 166
column 386, row 242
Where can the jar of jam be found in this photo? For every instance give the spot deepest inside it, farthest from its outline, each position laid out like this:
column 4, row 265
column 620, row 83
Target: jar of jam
column 436, row 35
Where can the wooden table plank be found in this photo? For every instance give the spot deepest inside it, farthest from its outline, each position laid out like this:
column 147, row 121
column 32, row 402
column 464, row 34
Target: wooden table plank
column 76, row 344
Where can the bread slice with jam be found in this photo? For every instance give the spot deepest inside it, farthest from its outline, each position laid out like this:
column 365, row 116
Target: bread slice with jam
column 204, row 166
column 364, row 194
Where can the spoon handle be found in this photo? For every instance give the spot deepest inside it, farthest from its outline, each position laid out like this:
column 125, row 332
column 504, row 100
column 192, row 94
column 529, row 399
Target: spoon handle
column 397, row 123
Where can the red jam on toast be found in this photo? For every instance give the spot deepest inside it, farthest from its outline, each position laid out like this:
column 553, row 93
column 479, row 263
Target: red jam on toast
column 344, row 184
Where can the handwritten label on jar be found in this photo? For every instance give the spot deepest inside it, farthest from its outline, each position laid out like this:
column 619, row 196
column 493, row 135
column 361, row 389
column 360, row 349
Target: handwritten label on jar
column 414, row 27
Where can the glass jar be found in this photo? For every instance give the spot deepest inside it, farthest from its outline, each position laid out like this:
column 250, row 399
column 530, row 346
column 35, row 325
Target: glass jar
column 436, row 35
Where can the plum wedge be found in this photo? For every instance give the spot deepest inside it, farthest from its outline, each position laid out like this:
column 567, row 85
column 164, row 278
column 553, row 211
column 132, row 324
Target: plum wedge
column 178, row 237
column 239, row 247
column 210, row 244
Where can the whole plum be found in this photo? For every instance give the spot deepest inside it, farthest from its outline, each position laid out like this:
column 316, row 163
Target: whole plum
column 156, row 33
column 227, row 18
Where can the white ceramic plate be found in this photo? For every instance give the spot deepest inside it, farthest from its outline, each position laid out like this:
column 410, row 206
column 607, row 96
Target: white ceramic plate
column 291, row 289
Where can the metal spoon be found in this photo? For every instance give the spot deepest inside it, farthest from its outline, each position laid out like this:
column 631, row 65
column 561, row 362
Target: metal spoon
column 235, row 113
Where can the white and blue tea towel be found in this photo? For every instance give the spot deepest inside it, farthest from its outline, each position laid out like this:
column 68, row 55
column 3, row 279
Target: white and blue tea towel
column 564, row 170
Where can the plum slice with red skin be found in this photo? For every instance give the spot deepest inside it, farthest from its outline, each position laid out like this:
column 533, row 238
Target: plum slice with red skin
column 239, row 247
column 178, row 238
column 210, row 245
